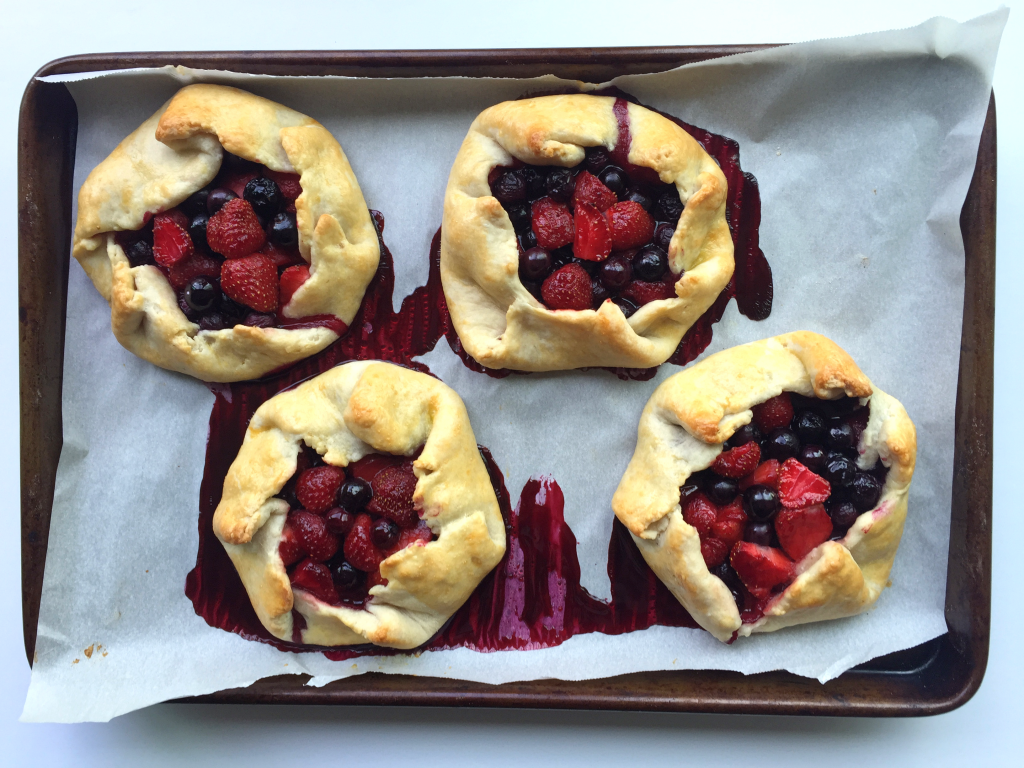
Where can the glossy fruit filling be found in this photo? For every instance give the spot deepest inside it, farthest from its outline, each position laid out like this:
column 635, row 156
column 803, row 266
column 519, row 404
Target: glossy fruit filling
column 592, row 233
column 231, row 250
column 782, row 485
column 343, row 523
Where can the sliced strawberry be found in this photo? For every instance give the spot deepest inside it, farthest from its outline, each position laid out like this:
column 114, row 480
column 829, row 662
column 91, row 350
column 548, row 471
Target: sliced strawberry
column 714, row 552
column 393, row 490
column 196, row 265
column 311, row 532
column 774, row 414
column 593, row 242
column 251, row 280
column 766, row 474
column 235, row 231
column 315, row 579
column 799, row 487
column 737, row 462
column 177, row 216
column 801, row 530
column 552, row 223
column 281, row 256
column 360, row 550
column 567, row 288
column 730, row 522
column 419, row 535
column 761, row 568
column 374, row 579
column 591, row 191
column 291, row 280
column 290, row 549
column 699, row 512
column 171, row 243
column 318, row 486
column 641, row 292
column 631, row 226
column 288, row 183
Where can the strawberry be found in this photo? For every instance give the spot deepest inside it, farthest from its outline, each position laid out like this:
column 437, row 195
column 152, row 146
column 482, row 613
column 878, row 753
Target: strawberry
column 760, row 568
column 373, row 579
column 317, row 487
column 592, row 243
column 196, row 265
column 568, row 288
column 281, row 255
column 291, row 280
column 591, row 191
column 235, row 231
column 774, row 414
column 360, row 550
column 290, row 549
column 315, row 579
column 393, row 488
column 801, row 530
column 631, row 226
column 799, row 487
column 288, row 183
column 641, row 292
column 552, row 224
column 311, row 532
column 419, row 535
column 699, row 512
column 251, row 280
column 177, row 216
column 171, row 243
column 730, row 522
column 737, row 462
column 766, row 474
column 714, row 552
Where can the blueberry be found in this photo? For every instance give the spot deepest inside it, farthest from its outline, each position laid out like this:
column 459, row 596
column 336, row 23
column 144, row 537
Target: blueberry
column 840, row 436
column 195, row 204
column 782, row 444
column 812, row 457
column 212, row 321
column 509, row 188
column 723, row 490
column 614, row 178
column 864, row 491
column 201, row 294
column 383, row 533
column 616, row 273
column 528, row 240
column 670, row 207
column 534, row 178
column 139, row 252
column 520, row 217
column 761, row 502
column 745, row 434
column 844, row 515
column 663, row 236
column 839, row 470
column 339, row 521
column 216, row 199
column 354, row 494
column 730, row 578
column 627, row 306
column 758, row 533
column 197, row 231
column 283, row 230
column 535, row 264
column 645, row 200
column 264, row 196
column 238, row 164
column 190, row 313
column 598, row 293
column 344, row 575
column 597, row 159
column 810, row 427
column 562, row 256
column 231, row 309
column 260, row 320
column 650, row 263
column 560, row 184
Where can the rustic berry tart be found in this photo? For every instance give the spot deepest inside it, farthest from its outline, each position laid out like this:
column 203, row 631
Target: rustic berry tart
column 359, row 509
column 228, row 234
column 769, row 486
column 581, row 231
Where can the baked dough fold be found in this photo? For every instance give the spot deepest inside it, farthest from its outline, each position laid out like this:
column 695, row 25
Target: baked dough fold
column 344, row 414
column 499, row 322
column 177, row 152
column 681, row 431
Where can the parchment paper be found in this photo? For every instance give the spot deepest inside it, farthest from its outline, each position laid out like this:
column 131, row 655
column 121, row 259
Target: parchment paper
column 863, row 147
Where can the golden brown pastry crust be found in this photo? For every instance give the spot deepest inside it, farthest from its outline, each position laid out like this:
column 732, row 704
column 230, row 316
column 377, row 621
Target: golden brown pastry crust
column 348, row 412
column 177, row 152
column 499, row 322
column 681, row 431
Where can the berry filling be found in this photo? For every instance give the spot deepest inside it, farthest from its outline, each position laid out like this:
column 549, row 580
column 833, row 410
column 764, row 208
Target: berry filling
column 344, row 522
column 231, row 250
column 783, row 484
column 590, row 234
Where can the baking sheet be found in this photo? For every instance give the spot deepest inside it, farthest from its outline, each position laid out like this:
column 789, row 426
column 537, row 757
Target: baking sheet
column 863, row 148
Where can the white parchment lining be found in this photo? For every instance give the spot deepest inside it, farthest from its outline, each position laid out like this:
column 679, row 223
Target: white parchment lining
column 863, row 148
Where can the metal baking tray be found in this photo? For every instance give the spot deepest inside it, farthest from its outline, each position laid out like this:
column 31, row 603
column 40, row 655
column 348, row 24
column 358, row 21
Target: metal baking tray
column 935, row 677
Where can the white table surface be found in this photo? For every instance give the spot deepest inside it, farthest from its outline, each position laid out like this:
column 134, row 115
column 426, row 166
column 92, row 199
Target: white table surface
column 988, row 729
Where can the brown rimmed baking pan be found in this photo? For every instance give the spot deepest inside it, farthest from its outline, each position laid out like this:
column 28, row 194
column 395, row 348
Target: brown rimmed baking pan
column 935, row 677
